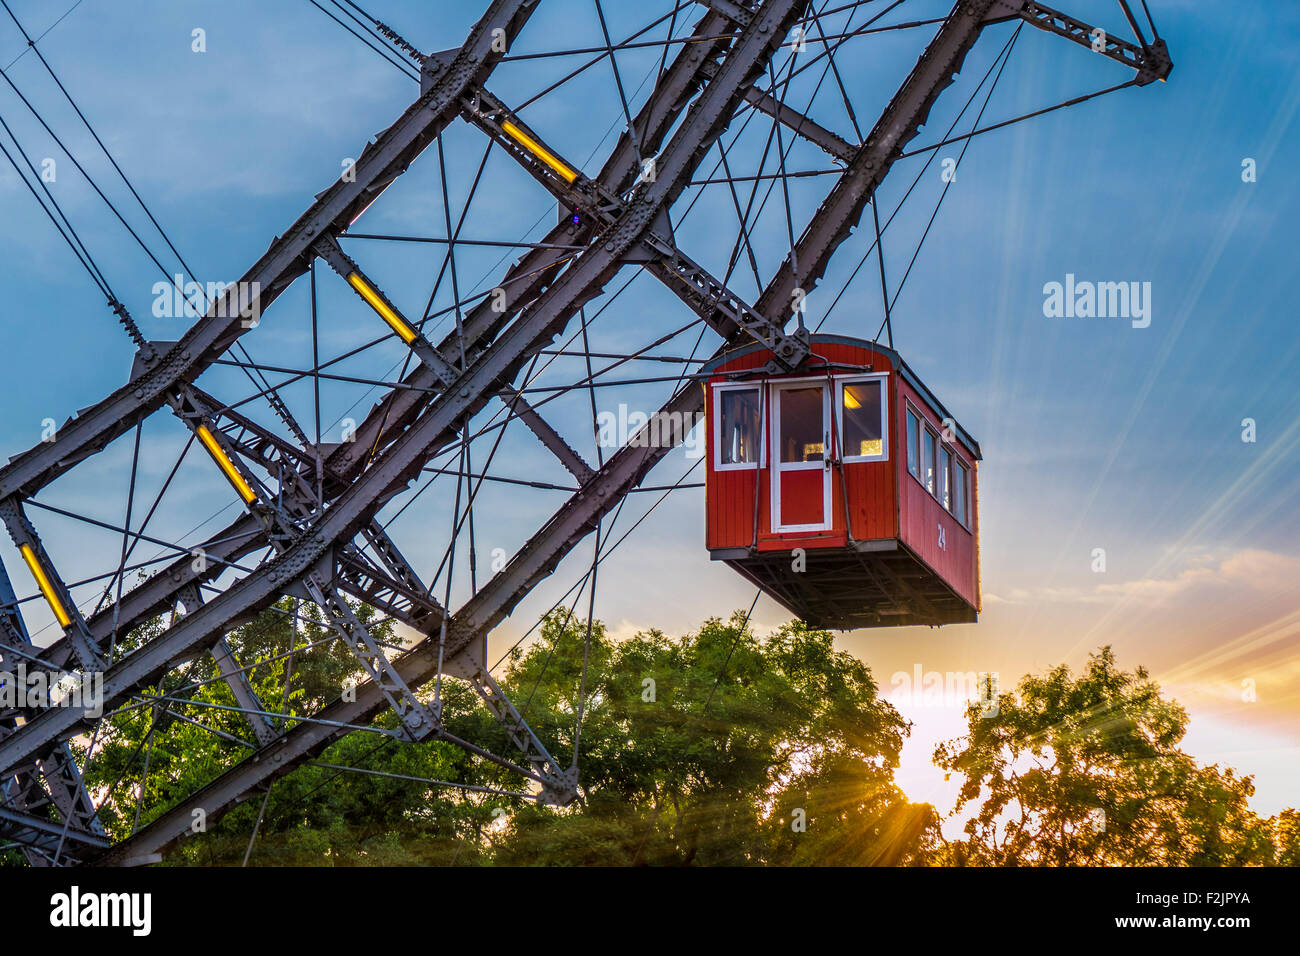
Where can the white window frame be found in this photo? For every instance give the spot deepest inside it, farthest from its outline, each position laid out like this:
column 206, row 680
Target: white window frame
column 928, row 431
column 774, row 476
column 840, row 382
column 955, row 455
column 943, row 475
column 910, row 410
column 718, row 391
column 965, row 492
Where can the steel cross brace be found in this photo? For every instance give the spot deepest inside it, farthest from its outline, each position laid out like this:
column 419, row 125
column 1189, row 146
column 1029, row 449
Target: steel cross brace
column 338, row 260
column 709, row 297
column 559, row 786
column 50, row 779
column 283, row 531
column 56, row 592
column 799, row 124
column 740, row 13
column 45, row 837
column 432, row 358
column 289, row 255
column 235, row 677
column 1150, row 60
column 417, row 719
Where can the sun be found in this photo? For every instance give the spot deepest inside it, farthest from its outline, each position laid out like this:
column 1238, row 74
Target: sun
column 917, row 776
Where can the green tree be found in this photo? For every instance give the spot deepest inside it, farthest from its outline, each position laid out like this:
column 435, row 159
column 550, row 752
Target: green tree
column 718, row 748
column 1286, row 837
column 722, row 747
column 187, row 731
column 1086, row 770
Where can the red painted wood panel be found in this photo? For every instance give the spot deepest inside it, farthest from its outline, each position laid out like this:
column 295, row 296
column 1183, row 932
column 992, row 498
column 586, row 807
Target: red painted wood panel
column 883, row 500
column 871, row 488
column 921, row 515
column 802, row 496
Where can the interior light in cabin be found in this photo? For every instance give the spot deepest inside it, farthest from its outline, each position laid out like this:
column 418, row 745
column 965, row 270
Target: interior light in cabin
column 226, row 465
column 43, row 582
column 540, row 151
column 386, row 312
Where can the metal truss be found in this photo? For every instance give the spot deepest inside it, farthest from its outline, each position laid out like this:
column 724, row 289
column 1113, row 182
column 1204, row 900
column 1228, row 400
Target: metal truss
column 311, row 510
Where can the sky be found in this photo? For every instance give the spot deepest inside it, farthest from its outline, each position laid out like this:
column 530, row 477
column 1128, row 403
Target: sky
column 1096, row 434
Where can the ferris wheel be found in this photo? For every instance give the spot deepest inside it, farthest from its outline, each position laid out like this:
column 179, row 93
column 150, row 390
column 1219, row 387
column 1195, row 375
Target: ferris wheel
column 347, row 420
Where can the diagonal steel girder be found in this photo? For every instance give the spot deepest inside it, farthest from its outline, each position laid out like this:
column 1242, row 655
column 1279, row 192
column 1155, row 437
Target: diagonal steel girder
column 1150, row 60
column 676, row 85
column 578, row 516
column 288, row 257
column 687, row 279
column 582, row 281
column 391, row 416
column 94, row 428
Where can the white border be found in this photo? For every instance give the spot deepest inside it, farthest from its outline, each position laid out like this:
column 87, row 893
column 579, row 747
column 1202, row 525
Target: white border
column 909, row 409
column 778, row 466
column 717, row 426
column 840, row 382
column 953, row 450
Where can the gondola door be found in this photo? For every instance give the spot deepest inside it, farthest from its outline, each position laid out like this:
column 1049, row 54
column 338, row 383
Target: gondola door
column 801, row 474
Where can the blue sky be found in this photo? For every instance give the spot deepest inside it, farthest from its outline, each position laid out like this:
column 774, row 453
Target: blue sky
column 1095, row 434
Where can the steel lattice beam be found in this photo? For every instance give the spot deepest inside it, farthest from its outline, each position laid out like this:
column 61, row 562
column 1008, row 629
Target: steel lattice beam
column 1150, row 61
column 288, row 257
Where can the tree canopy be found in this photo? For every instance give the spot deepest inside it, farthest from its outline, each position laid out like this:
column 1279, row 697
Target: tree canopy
column 721, row 747
column 1086, row 770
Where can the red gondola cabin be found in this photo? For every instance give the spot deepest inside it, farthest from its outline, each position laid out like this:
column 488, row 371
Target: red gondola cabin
column 883, row 530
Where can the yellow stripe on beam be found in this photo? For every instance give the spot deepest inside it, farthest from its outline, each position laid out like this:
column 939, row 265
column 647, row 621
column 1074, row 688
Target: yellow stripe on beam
column 376, row 302
column 540, row 151
column 43, row 582
column 226, row 465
